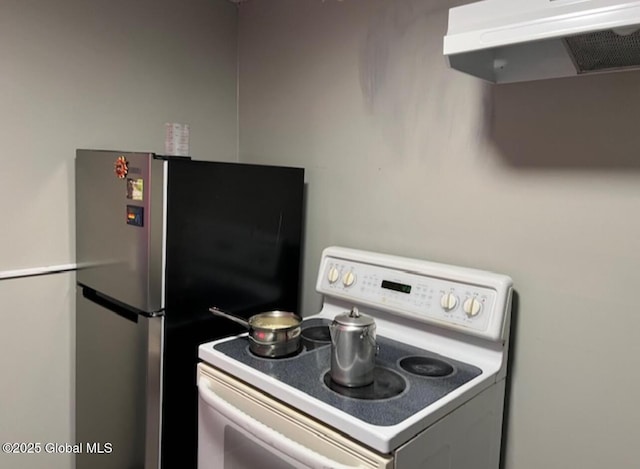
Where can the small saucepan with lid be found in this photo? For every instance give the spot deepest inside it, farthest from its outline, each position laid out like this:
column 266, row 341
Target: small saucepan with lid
column 272, row 334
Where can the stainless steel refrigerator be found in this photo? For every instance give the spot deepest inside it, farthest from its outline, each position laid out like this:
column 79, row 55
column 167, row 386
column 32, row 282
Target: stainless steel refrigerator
column 158, row 241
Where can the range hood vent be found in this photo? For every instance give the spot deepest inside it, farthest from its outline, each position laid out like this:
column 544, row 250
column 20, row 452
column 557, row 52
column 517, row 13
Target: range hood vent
column 604, row 50
column 505, row 41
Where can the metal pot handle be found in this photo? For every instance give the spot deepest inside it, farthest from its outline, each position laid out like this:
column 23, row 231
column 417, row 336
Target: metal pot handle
column 372, row 339
column 233, row 317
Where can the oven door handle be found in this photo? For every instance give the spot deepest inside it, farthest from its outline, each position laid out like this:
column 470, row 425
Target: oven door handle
column 266, row 434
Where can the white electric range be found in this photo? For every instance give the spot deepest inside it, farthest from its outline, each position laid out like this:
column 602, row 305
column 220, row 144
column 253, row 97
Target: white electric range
column 437, row 398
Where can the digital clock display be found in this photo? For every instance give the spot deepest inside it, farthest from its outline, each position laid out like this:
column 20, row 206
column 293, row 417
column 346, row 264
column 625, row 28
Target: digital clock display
column 396, row 286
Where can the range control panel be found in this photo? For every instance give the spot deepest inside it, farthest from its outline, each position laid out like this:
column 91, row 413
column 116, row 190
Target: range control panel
column 449, row 296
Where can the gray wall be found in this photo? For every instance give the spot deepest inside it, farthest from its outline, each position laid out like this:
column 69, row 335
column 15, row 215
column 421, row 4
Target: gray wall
column 540, row 181
column 76, row 74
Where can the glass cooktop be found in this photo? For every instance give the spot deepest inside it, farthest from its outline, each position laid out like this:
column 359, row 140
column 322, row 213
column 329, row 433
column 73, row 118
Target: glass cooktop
column 407, row 379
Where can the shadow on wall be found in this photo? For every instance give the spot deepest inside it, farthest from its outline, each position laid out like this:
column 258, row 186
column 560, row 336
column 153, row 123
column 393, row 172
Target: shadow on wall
column 588, row 122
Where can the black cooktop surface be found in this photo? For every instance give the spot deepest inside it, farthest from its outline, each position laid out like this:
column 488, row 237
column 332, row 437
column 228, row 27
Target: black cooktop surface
column 418, row 376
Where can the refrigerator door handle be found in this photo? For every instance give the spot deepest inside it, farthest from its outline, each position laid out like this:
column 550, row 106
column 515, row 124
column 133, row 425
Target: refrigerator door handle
column 98, row 299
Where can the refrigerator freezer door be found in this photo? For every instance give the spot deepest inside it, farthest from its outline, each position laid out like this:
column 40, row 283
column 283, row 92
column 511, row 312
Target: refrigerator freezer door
column 120, row 203
column 118, row 379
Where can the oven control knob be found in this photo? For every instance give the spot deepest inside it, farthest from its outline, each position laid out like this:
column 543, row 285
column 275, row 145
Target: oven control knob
column 449, row 301
column 472, row 307
column 349, row 279
column 333, row 275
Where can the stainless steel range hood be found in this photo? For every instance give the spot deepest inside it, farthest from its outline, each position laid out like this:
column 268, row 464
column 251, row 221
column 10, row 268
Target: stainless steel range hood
column 505, row 41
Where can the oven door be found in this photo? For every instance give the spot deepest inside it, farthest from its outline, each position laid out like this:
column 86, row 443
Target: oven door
column 240, row 427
